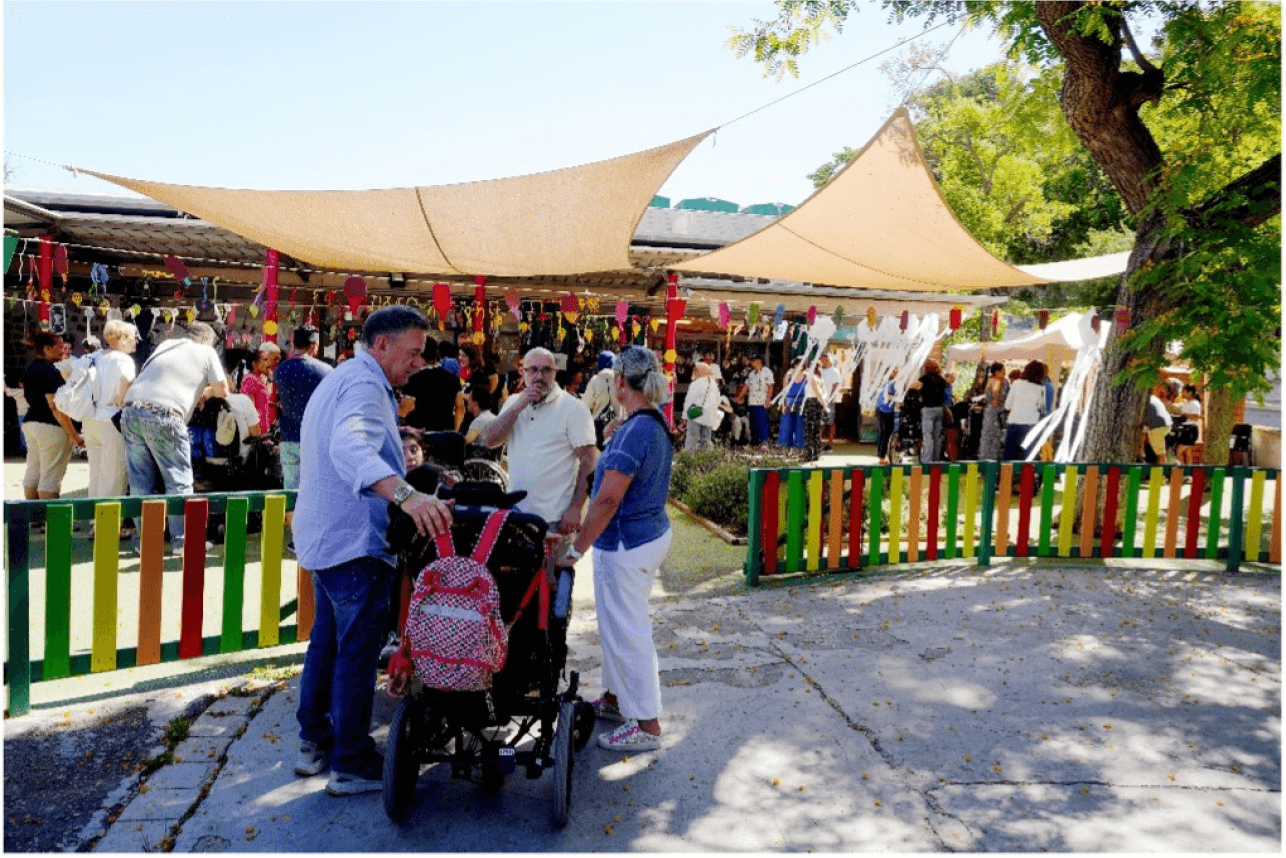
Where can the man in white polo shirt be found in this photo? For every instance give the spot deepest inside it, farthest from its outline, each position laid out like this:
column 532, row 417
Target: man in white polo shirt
column 551, row 445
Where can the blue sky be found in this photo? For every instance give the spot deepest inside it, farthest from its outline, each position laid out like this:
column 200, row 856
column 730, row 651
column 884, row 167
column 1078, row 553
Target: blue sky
column 371, row 94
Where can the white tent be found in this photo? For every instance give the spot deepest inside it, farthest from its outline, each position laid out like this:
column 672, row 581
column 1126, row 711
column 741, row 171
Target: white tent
column 1057, row 344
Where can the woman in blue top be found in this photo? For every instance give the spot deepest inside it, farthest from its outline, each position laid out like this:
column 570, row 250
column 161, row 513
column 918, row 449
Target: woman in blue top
column 626, row 524
column 791, row 431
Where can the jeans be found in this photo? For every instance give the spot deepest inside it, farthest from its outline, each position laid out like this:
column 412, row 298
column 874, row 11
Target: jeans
column 759, row 432
column 289, row 454
column 158, row 455
column 1014, row 434
column 697, row 438
column 930, row 434
column 337, row 688
column 790, row 433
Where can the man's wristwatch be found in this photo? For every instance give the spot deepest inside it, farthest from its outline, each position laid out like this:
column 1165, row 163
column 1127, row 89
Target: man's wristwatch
column 403, row 493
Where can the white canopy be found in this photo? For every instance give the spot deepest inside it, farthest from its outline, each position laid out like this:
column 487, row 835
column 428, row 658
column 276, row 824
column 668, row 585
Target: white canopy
column 1058, row 343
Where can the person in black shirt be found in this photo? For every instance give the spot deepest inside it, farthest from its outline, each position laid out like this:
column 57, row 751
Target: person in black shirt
column 49, row 433
column 933, row 397
column 438, row 395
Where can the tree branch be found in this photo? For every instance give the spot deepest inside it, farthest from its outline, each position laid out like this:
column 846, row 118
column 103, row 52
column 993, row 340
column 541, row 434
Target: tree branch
column 1259, row 193
column 1139, row 58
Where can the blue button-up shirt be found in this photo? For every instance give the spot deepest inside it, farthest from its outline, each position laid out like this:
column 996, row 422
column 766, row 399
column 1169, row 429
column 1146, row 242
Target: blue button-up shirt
column 641, row 450
column 348, row 441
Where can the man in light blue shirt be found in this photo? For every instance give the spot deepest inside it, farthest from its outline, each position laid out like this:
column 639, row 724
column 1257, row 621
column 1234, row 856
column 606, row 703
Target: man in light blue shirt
column 351, row 466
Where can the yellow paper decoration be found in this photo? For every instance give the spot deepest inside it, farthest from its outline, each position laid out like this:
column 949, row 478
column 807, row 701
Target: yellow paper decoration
column 571, row 317
column 76, row 298
column 655, row 323
column 191, row 314
column 254, row 311
column 671, row 355
column 270, row 328
column 616, row 332
column 591, row 305
column 479, row 337
column 135, row 309
column 589, row 335
column 523, row 328
column 870, row 316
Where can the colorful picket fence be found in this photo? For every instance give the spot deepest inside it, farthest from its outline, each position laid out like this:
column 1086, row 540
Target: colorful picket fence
column 820, row 519
column 105, row 654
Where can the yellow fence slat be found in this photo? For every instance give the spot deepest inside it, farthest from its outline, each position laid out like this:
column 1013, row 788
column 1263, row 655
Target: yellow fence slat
column 1154, row 511
column 107, row 552
column 274, row 520
column 814, row 520
column 1275, row 540
column 895, row 515
column 1067, row 514
column 971, row 507
column 1255, row 516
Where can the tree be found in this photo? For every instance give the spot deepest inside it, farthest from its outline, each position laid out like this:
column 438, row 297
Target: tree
column 1205, row 205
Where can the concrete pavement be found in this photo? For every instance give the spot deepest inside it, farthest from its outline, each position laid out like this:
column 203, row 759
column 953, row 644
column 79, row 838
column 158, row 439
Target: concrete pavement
column 1023, row 709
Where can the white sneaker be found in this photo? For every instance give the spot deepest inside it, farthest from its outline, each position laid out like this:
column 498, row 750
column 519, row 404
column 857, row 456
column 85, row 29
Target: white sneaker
column 629, row 737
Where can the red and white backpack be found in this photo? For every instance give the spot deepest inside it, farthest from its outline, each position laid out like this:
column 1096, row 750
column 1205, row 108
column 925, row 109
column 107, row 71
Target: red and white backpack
column 454, row 629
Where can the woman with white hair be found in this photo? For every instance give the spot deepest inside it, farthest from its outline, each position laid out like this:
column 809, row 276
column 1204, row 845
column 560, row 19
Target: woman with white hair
column 259, row 384
column 627, row 525
column 108, row 477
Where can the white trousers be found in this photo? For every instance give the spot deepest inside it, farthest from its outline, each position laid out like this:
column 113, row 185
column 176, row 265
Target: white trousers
column 105, row 447
column 622, row 584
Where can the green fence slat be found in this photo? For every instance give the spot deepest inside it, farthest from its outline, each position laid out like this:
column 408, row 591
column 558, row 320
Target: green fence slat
column 57, row 661
column 754, row 524
column 990, row 477
column 1216, row 513
column 876, row 513
column 236, row 513
column 18, row 598
column 1049, row 475
column 1236, row 518
column 795, row 521
column 1131, row 512
column 953, row 506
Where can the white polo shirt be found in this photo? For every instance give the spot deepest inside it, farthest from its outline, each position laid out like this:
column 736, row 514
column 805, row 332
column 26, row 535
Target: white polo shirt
column 542, row 457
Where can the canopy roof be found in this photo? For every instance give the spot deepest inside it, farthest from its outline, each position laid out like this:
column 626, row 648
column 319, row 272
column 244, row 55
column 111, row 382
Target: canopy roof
column 881, row 223
column 570, row 221
column 1061, row 340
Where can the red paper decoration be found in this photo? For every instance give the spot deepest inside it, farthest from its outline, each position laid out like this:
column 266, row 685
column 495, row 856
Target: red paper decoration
column 1043, row 316
column 954, row 318
column 514, row 301
column 442, row 299
column 622, row 312
column 1122, row 319
column 812, row 315
column 906, row 320
column 355, row 291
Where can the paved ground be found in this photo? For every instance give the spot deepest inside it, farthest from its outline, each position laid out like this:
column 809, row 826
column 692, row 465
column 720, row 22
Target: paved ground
column 1088, row 709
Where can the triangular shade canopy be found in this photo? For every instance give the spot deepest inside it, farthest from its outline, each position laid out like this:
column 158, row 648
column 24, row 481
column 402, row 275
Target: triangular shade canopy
column 570, row 221
column 881, row 223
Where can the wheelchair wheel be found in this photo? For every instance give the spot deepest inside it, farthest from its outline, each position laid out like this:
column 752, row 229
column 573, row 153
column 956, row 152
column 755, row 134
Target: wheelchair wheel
column 563, row 762
column 484, row 471
column 401, row 770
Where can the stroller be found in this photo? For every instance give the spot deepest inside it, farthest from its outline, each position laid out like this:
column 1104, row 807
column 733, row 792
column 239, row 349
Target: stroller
column 905, row 443
column 460, row 462
column 530, row 717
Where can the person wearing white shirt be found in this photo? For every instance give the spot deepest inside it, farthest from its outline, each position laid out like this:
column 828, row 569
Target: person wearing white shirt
column 1026, row 405
column 759, row 387
column 104, row 444
column 702, row 398
column 551, row 445
column 830, row 395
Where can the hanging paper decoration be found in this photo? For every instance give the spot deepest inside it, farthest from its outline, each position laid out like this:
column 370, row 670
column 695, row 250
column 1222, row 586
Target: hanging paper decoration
column 76, row 298
column 60, row 263
column 752, row 315
column 442, row 300
column 870, row 317
column 954, row 318
column 1122, row 319
column 725, row 315
column 46, row 275
column 654, row 323
column 10, row 246
column 995, row 321
column 905, row 320
column 1095, row 322
column 779, row 315
column 479, row 309
column 622, row 312
column 514, row 300
column 178, row 269
column 571, row 308
column 591, row 304
column 135, row 310
column 254, row 311
column 1043, row 316
column 270, row 328
column 812, row 315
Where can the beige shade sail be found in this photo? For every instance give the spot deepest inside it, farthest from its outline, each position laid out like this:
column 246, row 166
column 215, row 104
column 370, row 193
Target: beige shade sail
column 569, row 221
column 881, row 223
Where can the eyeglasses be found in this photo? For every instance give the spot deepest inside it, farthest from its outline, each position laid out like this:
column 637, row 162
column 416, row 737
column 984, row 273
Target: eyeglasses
column 539, row 370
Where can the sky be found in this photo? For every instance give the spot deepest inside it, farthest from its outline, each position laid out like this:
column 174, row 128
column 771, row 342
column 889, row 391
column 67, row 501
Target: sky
column 351, row 95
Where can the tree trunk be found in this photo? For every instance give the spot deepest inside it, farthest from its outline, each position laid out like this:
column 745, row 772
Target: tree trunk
column 1220, row 404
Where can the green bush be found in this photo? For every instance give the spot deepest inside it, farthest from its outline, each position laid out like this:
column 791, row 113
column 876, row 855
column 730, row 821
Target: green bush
column 721, row 495
column 715, row 484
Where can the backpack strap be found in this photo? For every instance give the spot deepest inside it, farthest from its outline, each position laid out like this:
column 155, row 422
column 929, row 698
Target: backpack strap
column 445, row 547
column 490, row 533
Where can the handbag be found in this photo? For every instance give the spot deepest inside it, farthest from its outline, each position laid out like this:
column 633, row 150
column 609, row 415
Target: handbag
column 695, row 411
